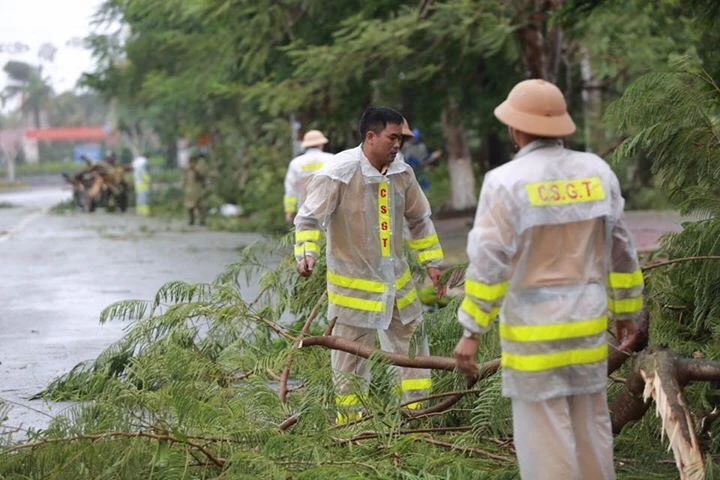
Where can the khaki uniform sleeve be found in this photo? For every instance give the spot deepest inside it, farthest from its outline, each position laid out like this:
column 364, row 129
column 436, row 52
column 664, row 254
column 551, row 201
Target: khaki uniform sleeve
column 423, row 237
column 314, row 215
column 490, row 248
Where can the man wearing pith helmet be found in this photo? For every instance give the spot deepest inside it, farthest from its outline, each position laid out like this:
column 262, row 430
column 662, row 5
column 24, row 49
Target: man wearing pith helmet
column 301, row 169
column 551, row 256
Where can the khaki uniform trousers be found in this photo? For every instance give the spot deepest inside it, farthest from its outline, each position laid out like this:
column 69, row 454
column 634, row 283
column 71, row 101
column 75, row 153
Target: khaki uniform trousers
column 351, row 374
column 564, row 438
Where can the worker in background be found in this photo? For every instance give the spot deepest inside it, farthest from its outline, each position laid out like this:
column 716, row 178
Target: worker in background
column 417, row 156
column 362, row 200
column 550, row 252
column 194, row 188
column 301, row 169
column 141, row 176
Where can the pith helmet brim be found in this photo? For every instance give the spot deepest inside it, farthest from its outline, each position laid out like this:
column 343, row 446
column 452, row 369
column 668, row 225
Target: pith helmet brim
column 536, row 107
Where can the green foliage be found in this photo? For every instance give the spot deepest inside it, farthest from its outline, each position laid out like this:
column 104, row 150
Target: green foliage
column 672, row 118
column 190, row 391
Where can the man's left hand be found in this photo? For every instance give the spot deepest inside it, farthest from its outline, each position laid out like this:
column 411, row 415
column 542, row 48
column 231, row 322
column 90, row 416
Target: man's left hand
column 434, row 274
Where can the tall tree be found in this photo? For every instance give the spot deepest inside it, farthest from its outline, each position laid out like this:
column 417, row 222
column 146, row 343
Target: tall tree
column 30, row 87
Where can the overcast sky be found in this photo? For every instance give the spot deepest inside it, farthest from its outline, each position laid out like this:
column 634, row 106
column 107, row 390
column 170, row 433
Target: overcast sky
column 36, row 22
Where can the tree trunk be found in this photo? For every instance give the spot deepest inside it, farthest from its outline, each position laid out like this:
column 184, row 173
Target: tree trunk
column 592, row 106
column 172, row 152
column 462, row 179
column 540, row 47
column 496, row 152
column 660, row 374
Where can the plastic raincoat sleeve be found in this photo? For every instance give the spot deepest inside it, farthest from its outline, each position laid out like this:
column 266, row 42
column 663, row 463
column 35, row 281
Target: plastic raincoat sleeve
column 423, row 237
column 490, row 250
column 293, row 181
column 314, row 215
column 625, row 279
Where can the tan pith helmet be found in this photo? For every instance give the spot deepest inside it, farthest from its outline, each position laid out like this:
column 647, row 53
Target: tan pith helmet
column 314, row 138
column 536, row 107
column 406, row 132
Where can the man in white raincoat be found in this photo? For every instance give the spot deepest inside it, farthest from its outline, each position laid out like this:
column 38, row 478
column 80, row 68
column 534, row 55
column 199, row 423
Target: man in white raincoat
column 301, row 169
column 362, row 199
column 550, row 252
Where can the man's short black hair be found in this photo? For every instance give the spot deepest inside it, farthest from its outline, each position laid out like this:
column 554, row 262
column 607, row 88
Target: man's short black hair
column 377, row 118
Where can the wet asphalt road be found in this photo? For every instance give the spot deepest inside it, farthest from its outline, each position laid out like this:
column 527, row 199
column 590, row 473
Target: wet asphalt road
column 57, row 273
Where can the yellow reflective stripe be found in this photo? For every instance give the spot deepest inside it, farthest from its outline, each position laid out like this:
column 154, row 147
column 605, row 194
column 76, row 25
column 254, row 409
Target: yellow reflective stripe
column 628, row 305
column 564, row 192
column 423, row 243
column 355, row 283
column 347, row 400
column 307, row 235
column 403, row 280
column 480, row 316
column 407, row 299
column 416, row 384
column 384, row 218
column 414, row 406
column 355, row 303
column 537, row 363
column 143, row 210
column 427, row 255
column 307, row 247
column 290, row 202
column 626, row 280
column 560, row 331
column 485, row 291
column 347, row 417
column 311, row 167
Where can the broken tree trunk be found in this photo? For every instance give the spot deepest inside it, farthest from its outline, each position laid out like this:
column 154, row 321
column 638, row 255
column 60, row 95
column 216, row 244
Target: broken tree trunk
column 660, row 374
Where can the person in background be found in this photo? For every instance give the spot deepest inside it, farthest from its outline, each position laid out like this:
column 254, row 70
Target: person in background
column 301, row 169
column 141, row 177
column 194, row 188
column 417, row 156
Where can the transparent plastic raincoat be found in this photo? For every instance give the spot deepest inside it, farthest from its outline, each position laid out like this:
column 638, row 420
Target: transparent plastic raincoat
column 550, row 253
column 298, row 176
column 364, row 213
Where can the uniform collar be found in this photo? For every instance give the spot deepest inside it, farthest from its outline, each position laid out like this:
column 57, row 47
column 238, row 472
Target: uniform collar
column 538, row 144
column 369, row 171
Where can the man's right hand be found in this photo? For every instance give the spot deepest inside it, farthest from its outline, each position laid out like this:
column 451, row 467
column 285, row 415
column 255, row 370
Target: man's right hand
column 305, row 266
column 627, row 333
column 289, row 217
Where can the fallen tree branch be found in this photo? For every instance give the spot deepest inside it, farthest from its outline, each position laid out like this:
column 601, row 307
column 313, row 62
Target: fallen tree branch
column 661, row 384
column 330, row 326
column 283, row 390
column 432, row 362
column 477, row 451
column 218, row 461
column 661, row 374
column 410, row 431
column 679, row 260
column 288, row 422
column 274, row 327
